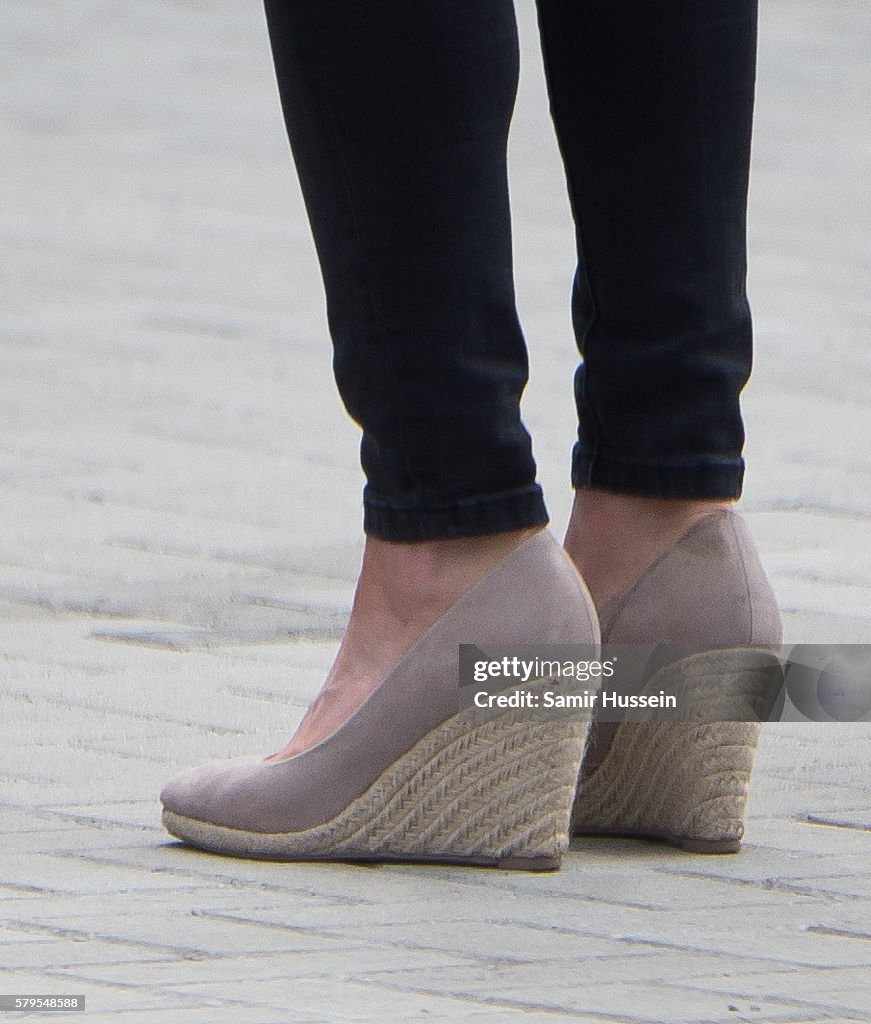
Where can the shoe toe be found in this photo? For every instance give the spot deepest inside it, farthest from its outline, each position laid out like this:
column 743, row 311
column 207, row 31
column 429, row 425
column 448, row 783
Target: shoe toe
column 204, row 793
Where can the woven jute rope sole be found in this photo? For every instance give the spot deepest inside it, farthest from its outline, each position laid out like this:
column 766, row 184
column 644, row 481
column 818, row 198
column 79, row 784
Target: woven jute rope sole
column 494, row 793
column 687, row 782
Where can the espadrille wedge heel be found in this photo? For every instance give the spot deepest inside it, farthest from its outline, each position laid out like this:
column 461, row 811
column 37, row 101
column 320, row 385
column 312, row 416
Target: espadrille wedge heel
column 687, row 782
column 412, row 775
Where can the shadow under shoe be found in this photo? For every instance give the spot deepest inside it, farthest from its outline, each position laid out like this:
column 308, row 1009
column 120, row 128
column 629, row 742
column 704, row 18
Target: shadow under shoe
column 687, row 783
column 412, row 775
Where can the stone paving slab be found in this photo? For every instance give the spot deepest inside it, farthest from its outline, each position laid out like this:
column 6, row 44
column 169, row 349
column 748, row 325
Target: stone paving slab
column 179, row 536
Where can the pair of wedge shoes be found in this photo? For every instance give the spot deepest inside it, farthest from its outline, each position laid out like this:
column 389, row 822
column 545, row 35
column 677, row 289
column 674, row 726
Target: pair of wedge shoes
column 421, row 773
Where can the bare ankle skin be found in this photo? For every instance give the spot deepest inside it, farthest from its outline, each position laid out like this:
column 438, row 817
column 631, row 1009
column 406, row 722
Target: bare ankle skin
column 402, row 590
column 612, row 538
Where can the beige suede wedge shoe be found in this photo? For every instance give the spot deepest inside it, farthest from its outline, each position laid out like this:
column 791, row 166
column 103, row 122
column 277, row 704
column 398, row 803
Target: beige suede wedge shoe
column 687, row 783
column 412, row 775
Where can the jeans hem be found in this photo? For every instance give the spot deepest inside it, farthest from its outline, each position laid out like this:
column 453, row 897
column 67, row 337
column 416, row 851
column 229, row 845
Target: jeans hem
column 683, row 479
column 464, row 517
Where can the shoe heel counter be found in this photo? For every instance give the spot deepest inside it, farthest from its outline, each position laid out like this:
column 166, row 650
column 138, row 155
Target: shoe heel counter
column 765, row 625
column 566, row 608
column 708, row 588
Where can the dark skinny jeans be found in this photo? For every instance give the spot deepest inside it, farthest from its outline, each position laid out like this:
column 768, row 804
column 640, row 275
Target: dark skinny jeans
column 398, row 114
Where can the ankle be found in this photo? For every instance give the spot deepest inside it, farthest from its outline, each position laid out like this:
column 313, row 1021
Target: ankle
column 641, row 511
column 612, row 538
column 403, row 590
column 422, row 579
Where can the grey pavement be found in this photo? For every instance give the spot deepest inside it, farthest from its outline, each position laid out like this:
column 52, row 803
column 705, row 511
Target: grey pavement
column 179, row 534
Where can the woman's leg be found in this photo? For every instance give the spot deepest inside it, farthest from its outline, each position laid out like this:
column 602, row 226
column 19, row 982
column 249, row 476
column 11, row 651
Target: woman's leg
column 652, row 103
column 398, row 117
